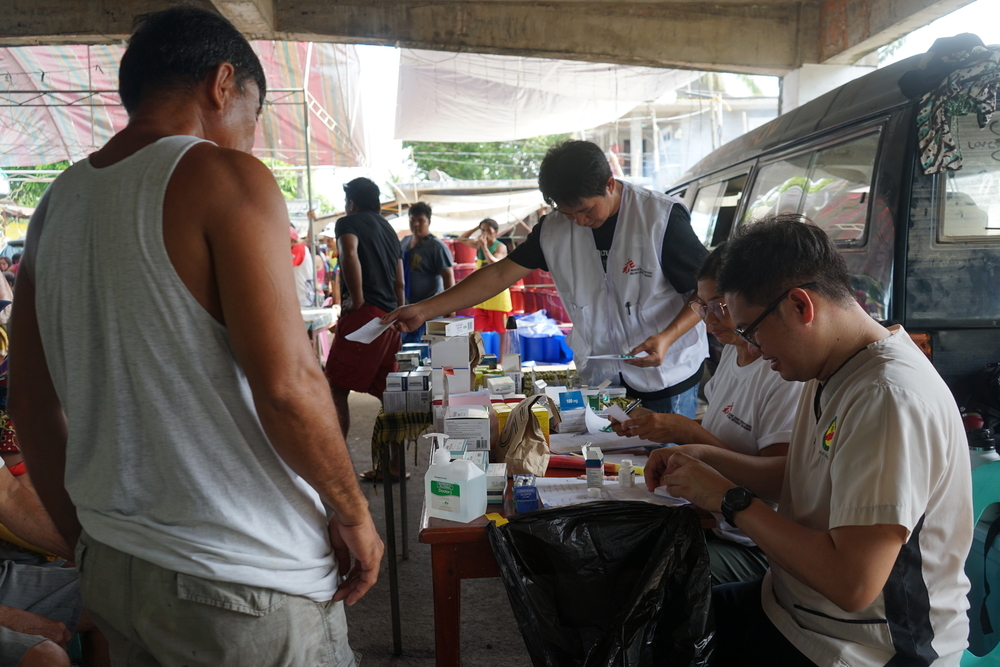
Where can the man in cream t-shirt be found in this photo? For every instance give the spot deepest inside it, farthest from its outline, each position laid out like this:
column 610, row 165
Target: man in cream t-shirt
column 867, row 548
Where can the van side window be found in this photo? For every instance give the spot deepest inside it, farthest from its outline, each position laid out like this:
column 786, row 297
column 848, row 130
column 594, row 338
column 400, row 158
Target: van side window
column 714, row 209
column 971, row 196
column 840, row 187
column 830, row 186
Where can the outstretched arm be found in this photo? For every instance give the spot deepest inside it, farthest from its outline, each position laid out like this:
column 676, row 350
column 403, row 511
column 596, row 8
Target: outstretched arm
column 656, row 346
column 478, row 287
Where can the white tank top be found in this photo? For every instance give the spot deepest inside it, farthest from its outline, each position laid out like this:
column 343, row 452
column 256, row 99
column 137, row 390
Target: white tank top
column 166, row 458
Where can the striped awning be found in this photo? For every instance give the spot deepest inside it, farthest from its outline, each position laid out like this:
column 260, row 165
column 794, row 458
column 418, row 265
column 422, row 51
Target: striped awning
column 59, row 103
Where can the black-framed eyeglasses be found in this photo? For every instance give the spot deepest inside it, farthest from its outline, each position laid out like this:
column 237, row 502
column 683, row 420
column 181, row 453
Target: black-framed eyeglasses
column 703, row 309
column 747, row 332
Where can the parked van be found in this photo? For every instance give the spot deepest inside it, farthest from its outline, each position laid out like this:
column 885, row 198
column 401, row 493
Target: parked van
column 922, row 250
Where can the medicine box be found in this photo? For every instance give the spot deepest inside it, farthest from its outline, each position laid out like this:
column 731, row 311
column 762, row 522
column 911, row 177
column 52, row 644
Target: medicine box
column 450, row 326
column 418, row 381
column 480, row 457
column 500, row 385
column 456, row 447
column 423, row 350
column 459, row 382
column 471, row 422
column 394, row 402
column 418, row 401
column 396, row 381
column 452, row 351
column 408, row 361
column 496, row 482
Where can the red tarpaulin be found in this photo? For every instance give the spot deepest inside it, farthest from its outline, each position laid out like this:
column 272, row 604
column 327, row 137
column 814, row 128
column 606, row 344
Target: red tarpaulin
column 56, row 103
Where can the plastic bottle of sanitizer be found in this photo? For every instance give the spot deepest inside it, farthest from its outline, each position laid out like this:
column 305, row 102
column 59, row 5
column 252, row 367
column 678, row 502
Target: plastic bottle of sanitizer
column 455, row 490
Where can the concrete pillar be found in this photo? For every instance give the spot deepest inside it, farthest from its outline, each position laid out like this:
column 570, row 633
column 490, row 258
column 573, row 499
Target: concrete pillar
column 810, row 81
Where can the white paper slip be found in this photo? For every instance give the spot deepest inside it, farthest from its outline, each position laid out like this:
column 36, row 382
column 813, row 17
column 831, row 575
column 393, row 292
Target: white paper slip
column 620, row 356
column 615, row 411
column 368, row 332
column 661, row 491
column 594, row 423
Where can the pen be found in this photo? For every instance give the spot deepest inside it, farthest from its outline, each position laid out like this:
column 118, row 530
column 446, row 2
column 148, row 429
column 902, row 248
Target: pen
column 628, row 408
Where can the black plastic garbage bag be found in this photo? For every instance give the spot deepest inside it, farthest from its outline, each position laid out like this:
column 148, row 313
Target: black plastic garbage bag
column 608, row 584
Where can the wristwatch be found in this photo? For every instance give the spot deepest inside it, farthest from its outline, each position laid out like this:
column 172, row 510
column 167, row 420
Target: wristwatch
column 736, row 500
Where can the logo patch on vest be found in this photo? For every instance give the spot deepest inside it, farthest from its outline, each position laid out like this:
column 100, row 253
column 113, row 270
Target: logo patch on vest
column 633, row 270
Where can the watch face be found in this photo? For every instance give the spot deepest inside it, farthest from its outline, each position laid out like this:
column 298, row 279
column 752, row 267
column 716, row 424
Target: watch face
column 739, row 498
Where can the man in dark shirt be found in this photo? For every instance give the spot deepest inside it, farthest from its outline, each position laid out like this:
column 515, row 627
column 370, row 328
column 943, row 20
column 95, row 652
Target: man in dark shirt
column 576, row 179
column 427, row 262
column 371, row 285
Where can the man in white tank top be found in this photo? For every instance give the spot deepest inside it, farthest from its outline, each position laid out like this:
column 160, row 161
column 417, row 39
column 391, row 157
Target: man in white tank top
column 169, row 406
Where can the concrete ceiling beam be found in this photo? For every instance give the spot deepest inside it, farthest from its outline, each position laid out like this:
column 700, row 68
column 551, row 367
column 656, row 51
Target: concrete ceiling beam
column 254, row 18
column 757, row 38
column 27, row 22
column 851, row 29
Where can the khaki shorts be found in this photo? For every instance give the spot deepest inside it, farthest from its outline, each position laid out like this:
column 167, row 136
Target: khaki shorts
column 154, row 617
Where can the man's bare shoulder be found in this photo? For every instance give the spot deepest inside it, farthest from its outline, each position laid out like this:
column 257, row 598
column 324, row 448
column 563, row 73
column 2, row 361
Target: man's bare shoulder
column 222, row 185
column 209, row 167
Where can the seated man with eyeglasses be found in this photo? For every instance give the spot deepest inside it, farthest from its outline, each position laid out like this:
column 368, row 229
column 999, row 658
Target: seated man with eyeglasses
column 750, row 412
column 867, row 548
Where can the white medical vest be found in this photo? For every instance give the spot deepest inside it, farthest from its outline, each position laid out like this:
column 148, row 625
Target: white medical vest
column 615, row 310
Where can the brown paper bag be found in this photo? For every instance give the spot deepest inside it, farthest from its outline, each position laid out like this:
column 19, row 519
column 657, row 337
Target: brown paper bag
column 522, row 445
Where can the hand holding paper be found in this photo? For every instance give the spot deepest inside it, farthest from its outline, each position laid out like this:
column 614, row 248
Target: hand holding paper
column 368, row 332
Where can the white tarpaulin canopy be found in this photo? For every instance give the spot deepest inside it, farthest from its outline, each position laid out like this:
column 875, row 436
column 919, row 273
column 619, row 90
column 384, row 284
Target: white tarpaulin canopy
column 444, row 96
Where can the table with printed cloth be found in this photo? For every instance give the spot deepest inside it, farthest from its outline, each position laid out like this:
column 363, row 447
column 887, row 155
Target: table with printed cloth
column 396, row 430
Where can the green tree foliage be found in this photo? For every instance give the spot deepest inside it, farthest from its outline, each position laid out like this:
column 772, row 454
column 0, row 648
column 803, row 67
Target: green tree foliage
column 28, row 193
column 286, row 175
column 484, row 161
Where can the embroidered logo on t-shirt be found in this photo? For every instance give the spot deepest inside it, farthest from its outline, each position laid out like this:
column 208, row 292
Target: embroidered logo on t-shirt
column 831, row 430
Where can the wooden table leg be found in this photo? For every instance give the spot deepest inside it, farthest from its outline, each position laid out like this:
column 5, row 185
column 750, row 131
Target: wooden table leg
column 447, row 604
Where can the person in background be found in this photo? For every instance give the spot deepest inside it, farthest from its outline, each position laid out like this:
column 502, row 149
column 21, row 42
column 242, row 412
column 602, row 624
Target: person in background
column 491, row 314
column 4, row 263
column 427, row 263
column 750, row 412
column 180, row 433
column 331, row 288
column 867, row 549
column 15, row 261
column 371, row 282
column 623, row 259
column 302, row 269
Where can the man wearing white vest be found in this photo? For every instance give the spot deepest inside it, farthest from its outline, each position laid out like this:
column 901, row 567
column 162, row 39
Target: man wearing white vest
column 623, row 259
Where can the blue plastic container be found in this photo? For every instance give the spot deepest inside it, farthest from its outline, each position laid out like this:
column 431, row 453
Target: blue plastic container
column 491, row 342
column 545, row 349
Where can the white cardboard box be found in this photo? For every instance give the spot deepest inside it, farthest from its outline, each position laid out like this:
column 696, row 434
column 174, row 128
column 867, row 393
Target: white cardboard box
column 452, row 351
column 471, row 422
column 418, row 401
column 459, row 383
column 396, row 381
column 418, row 381
column 394, row 402
column 450, row 326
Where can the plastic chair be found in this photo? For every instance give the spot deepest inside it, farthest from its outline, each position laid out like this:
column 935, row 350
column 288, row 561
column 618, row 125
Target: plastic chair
column 985, row 492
